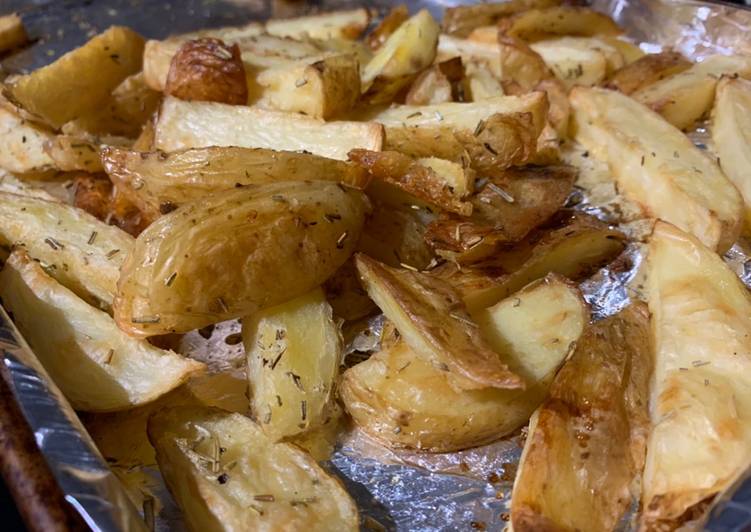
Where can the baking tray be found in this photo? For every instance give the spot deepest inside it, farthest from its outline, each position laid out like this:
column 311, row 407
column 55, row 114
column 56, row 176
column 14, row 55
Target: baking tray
column 395, row 490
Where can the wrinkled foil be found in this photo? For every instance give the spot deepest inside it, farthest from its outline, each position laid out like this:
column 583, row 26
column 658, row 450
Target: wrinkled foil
column 395, row 489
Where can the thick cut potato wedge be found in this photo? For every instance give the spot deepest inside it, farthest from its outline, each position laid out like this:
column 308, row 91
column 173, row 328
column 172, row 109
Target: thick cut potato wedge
column 255, row 484
column 78, row 250
column 684, row 98
column 521, row 68
column 12, row 32
column 647, row 70
column 731, row 133
column 97, row 366
column 294, row 352
column 158, row 182
column 411, row 48
column 321, row 89
column 461, row 20
column 80, row 80
column 579, row 60
column 431, row 318
column 22, row 149
column 701, row 401
column 657, row 166
column 335, row 25
column 236, row 252
column 396, row 16
column 200, row 124
column 536, row 24
column 586, row 445
column 402, row 399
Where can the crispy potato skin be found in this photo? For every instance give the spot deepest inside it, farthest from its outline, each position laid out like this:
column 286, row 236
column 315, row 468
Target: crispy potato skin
column 647, row 70
column 208, row 70
column 387, row 26
column 96, row 195
column 588, row 441
column 461, row 20
column 536, row 24
column 12, row 32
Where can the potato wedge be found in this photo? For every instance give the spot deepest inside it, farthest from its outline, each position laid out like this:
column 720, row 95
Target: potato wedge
column 657, row 166
column 487, row 54
column 112, row 370
column 462, row 19
column 294, row 352
column 480, row 83
column 521, row 68
column 321, row 89
column 439, row 83
column 430, row 317
column 537, row 24
column 411, row 48
column 78, row 250
column 348, row 299
column 80, row 80
column 579, row 60
column 70, row 153
column 731, row 134
column 159, row 182
column 647, row 70
column 586, row 445
column 22, row 149
column 254, row 484
column 403, row 400
column 200, row 124
column 12, row 32
column 396, row 16
column 684, row 98
column 95, row 194
column 347, row 24
column 700, row 400
column 236, row 252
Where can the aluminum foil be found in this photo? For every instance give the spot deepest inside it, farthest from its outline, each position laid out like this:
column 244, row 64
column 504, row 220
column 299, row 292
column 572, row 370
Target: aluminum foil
column 395, row 490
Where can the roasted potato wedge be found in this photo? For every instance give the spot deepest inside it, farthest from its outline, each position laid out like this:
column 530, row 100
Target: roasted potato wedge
column 586, row 443
column 346, row 24
column 487, row 54
column 255, row 483
column 479, row 83
column 78, row 250
column 22, row 149
column 95, row 194
column 537, row 24
column 159, row 182
column 112, row 370
column 403, row 400
column 294, row 352
column 731, row 134
column 657, row 166
column 12, row 32
column 684, row 98
column 411, row 48
column 439, row 83
column 321, row 89
column 461, row 20
column 80, row 80
column 431, row 318
column 647, row 70
column 521, row 67
column 396, row 16
column 579, row 60
column 236, row 252
column 700, row 398
column 200, row 124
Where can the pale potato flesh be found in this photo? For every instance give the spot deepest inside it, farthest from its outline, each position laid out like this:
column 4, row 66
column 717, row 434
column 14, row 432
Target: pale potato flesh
column 484, row 53
column 294, row 352
column 579, row 60
column 22, row 149
column 236, row 252
column 254, row 484
column 700, row 402
column 97, row 366
column 657, row 166
column 347, row 24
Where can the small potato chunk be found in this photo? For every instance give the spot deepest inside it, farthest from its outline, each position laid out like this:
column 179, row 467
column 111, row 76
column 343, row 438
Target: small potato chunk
column 537, row 24
column 208, row 70
column 586, row 443
column 521, row 67
column 731, row 134
column 12, row 32
column 97, row 366
column 345, row 24
column 700, row 402
column 255, row 484
column 387, row 26
column 159, row 182
column 462, row 19
column 487, row 54
column 22, row 148
column 348, row 299
column 658, row 166
column 403, row 400
column 480, row 83
column 431, row 318
column 437, row 84
column 96, row 195
column 69, row 153
column 236, row 252
column 80, row 80
column 294, row 352
column 647, row 70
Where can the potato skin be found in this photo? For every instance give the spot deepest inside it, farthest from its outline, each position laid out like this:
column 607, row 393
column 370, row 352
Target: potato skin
column 236, row 252
column 208, row 70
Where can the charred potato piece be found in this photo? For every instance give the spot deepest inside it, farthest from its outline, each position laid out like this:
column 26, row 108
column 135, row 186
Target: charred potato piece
column 22, row 149
column 81, row 79
column 586, row 443
column 159, row 182
column 236, row 252
column 403, row 400
column 647, row 70
column 255, row 483
column 112, row 370
column 96, row 195
column 431, row 318
column 12, row 32
column 461, row 20
column 387, row 26
column 657, row 166
column 537, row 24
column 439, row 83
column 345, row 24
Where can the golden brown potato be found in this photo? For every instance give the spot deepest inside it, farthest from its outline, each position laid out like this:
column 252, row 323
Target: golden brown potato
column 236, row 252
column 348, row 299
column 522, row 68
column 159, row 182
column 254, row 484
column 647, row 70
column 387, row 26
column 579, row 60
column 439, row 83
column 208, row 70
column 586, row 443
column 505, row 210
column 12, row 32
column 345, row 24
column 629, row 51
column 404, row 400
column 96, row 195
column 537, row 24
column 461, row 20
column 433, row 321
column 80, row 80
